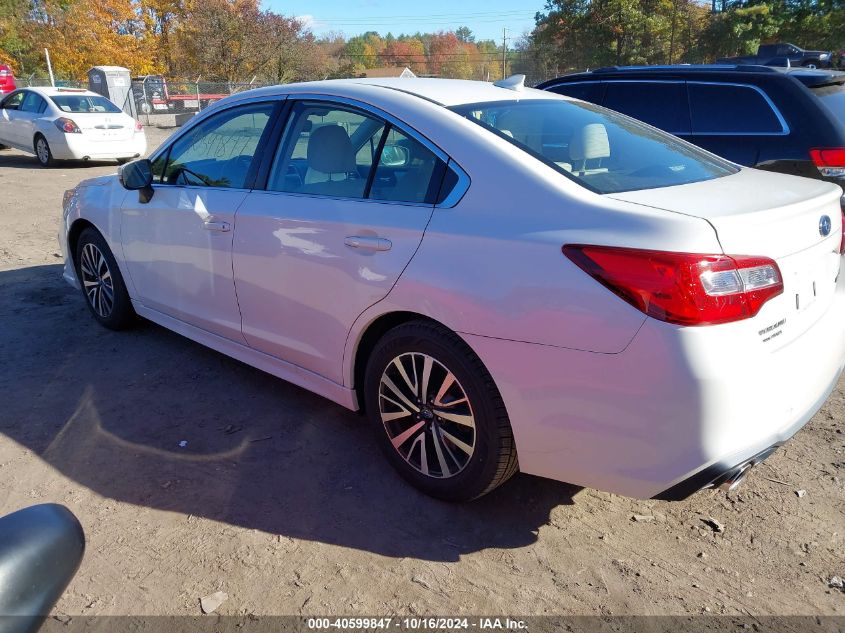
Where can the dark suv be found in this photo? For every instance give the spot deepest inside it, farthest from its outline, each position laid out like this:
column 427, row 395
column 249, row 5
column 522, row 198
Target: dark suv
column 791, row 121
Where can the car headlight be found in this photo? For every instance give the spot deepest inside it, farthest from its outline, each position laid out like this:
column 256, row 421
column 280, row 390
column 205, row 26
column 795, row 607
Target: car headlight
column 824, row 56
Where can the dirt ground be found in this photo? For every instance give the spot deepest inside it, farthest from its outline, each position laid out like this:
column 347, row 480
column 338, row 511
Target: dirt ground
column 282, row 500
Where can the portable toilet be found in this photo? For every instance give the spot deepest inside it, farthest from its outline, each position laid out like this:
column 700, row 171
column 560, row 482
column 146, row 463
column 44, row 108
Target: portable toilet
column 115, row 84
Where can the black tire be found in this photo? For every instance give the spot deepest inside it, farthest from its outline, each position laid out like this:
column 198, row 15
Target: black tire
column 493, row 459
column 119, row 314
column 45, row 158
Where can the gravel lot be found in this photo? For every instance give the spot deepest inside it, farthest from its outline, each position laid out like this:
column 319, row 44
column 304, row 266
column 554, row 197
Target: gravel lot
column 282, row 500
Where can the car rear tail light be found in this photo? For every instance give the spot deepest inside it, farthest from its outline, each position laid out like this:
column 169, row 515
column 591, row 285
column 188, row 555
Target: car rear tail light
column 830, row 161
column 68, row 126
column 138, row 126
column 682, row 288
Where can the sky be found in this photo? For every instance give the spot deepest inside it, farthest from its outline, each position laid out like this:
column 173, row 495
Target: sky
column 485, row 18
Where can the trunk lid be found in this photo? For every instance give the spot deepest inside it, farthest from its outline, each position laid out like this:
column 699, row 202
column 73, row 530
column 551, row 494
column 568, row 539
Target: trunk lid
column 774, row 215
column 105, row 127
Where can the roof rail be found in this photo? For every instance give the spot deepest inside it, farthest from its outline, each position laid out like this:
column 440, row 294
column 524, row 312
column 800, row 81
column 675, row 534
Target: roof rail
column 689, row 67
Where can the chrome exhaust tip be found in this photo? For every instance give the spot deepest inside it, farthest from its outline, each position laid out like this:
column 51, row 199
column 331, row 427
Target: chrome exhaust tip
column 730, row 480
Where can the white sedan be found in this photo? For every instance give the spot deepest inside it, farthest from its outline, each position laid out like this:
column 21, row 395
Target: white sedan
column 69, row 124
column 487, row 271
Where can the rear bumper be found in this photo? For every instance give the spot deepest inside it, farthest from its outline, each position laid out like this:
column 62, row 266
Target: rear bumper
column 670, row 413
column 77, row 147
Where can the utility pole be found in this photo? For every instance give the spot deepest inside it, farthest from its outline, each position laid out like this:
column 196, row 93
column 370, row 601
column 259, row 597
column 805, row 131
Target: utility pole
column 504, row 51
column 50, row 68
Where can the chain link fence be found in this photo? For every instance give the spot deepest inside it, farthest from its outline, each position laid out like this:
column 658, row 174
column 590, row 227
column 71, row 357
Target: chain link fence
column 158, row 99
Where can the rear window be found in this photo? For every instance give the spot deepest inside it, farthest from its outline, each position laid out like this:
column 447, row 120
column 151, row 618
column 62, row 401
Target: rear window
column 834, row 98
column 599, row 149
column 79, row 104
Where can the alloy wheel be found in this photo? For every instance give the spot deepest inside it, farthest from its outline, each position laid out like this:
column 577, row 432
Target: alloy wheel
column 427, row 415
column 42, row 150
column 97, row 280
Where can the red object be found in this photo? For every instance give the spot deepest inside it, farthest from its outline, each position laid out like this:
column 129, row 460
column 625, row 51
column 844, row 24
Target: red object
column 828, row 157
column 672, row 287
column 138, row 126
column 68, row 126
column 7, row 80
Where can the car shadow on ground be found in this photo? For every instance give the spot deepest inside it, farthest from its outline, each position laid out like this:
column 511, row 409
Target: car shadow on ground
column 18, row 160
column 110, row 410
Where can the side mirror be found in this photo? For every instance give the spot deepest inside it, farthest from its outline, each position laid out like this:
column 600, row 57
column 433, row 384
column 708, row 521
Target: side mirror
column 395, row 156
column 41, row 548
column 138, row 176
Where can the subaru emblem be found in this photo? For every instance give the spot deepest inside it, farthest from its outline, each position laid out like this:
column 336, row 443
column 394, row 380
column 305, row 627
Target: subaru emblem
column 824, row 226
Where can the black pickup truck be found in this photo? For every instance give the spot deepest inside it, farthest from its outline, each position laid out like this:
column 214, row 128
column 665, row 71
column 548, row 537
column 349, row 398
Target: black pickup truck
column 783, row 55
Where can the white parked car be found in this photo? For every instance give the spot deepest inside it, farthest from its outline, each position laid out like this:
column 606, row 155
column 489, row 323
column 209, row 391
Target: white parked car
column 69, row 124
column 489, row 272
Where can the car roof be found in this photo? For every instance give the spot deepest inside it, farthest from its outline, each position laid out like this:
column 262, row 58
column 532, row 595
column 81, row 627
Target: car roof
column 815, row 78
column 445, row 92
column 49, row 91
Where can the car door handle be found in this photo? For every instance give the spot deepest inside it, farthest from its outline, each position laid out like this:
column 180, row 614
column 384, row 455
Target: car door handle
column 368, row 243
column 211, row 225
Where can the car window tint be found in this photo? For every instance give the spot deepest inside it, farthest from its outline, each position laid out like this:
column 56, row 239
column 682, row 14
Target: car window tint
column 586, row 91
column 219, row 151
column 13, row 101
column 406, row 171
column 660, row 104
column 730, row 109
column 596, row 147
column 327, row 150
column 31, row 103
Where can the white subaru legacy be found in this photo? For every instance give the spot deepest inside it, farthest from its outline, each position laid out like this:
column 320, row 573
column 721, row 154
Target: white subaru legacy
column 503, row 279
column 69, row 124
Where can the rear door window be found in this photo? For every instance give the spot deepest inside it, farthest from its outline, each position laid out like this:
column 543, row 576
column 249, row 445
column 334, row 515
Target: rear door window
column 732, row 109
column 32, row 103
column 591, row 91
column 658, row 103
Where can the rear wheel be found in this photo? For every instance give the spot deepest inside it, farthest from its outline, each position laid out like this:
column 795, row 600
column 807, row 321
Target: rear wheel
column 101, row 281
column 43, row 152
column 438, row 415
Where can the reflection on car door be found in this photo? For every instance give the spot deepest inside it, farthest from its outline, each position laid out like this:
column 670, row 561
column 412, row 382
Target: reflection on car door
column 346, row 204
column 178, row 246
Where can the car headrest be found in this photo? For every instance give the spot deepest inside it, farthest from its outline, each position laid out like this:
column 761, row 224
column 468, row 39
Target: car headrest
column 40, row 550
column 330, row 150
column 590, row 142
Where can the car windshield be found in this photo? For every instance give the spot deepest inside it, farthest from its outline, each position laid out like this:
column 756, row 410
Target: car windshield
column 602, row 150
column 834, row 98
column 79, row 104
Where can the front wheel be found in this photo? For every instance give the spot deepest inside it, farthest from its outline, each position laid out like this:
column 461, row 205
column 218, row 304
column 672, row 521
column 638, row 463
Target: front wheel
column 438, row 415
column 101, row 281
column 43, row 152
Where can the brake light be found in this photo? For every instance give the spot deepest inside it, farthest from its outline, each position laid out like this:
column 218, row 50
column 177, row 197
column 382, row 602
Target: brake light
column 682, row 288
column 138, row 126
column 830, row 161
column 68, row 126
